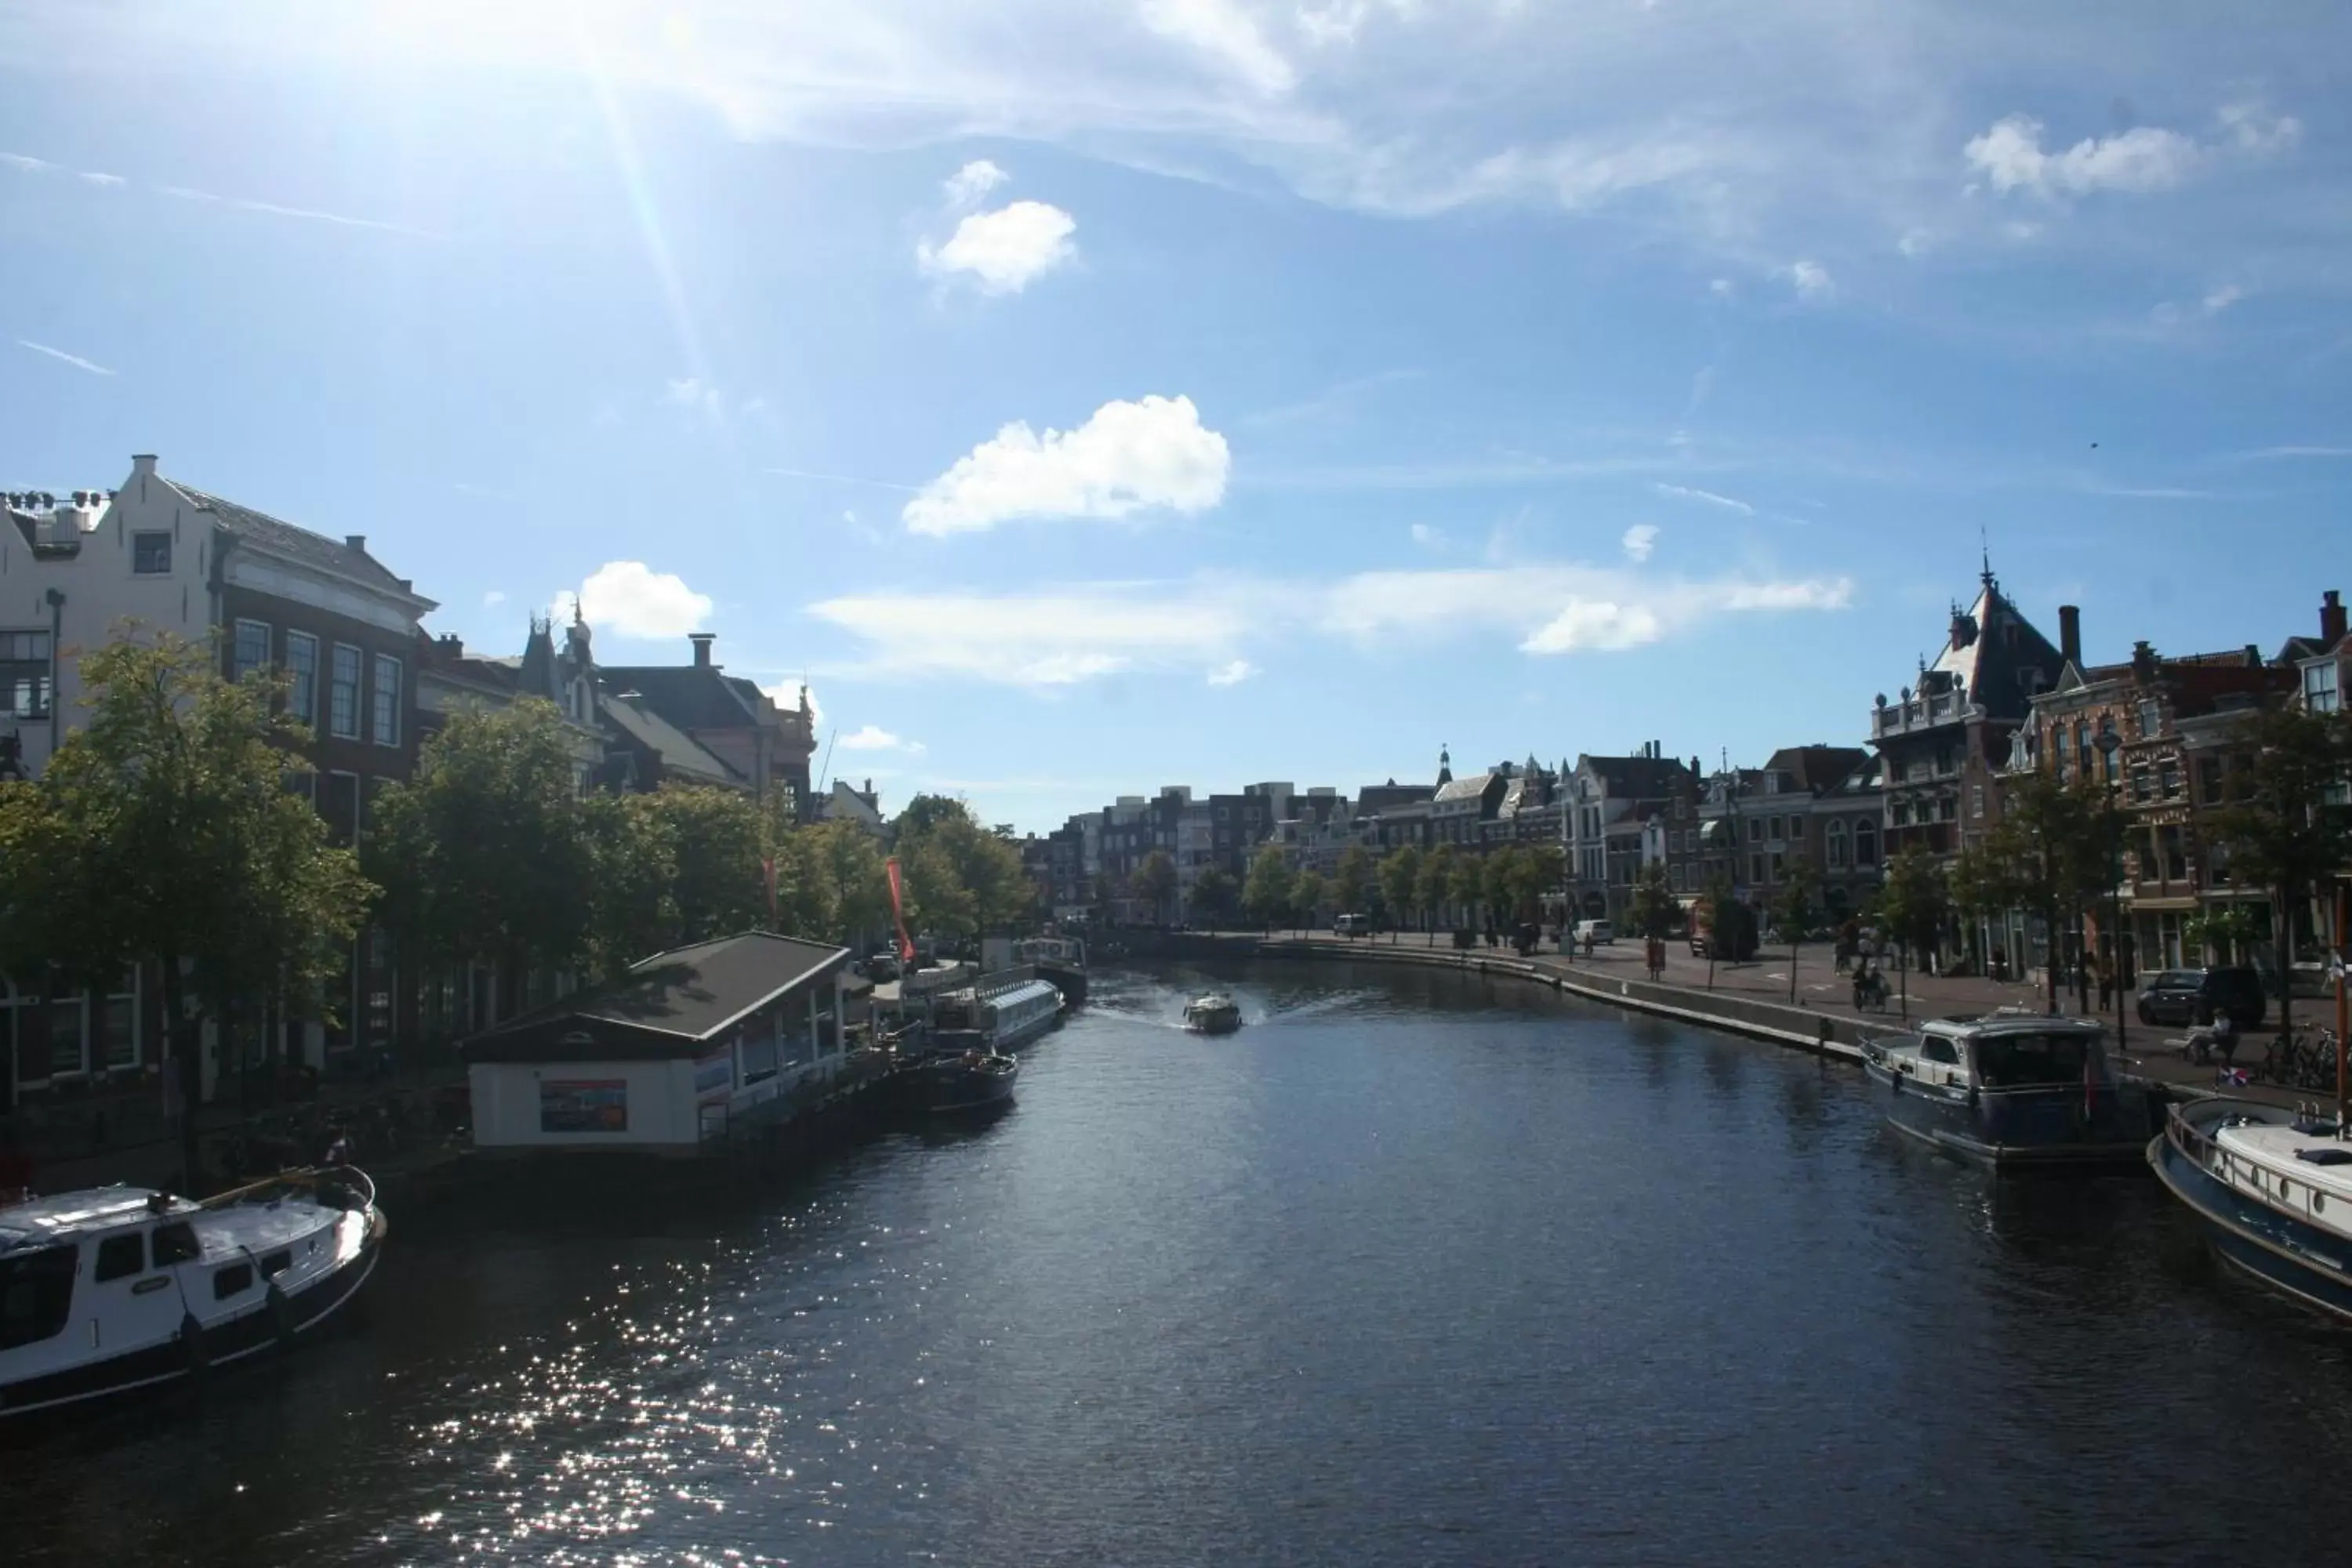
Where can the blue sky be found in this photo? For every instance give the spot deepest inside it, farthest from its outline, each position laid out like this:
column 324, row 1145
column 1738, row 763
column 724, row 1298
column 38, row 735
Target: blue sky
column 1088, row 396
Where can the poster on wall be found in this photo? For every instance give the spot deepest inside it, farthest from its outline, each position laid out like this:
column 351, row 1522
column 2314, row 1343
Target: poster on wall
column 714, row 1075
column 584, row 1105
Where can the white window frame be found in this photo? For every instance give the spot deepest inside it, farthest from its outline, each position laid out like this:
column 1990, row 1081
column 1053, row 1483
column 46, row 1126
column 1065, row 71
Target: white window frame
column 359, row 677
column 302, row 693
column 238, row 667
column 380, row 717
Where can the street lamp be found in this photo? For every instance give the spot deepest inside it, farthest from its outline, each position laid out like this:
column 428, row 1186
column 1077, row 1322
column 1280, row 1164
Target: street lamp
column 2107, row 742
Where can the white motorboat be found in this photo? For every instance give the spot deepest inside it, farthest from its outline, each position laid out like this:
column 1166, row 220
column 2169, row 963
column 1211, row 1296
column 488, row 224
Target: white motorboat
column 114, row 1288
column 1215, row 1014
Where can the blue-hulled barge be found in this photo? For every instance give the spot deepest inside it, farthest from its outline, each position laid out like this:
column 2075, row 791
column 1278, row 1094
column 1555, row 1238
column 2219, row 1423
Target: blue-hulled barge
column 2275, row 1190
column 2012, row 1089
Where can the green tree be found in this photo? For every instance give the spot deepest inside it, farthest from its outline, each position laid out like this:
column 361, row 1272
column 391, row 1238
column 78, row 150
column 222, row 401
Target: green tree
column 970, row 878
column 1155, row 883
column 1652, row 907
column 2223, row 930
column 1730, row 924
column 1266, row 895
column 1216, row 900
column 1467, row 885
column 1798, row 909
column 634, row 850
column 2051, row 853
column 1435, row 881
column 485, row 855
column 1498, row 880
column 830, row 878
column 2288, row 823
column 1400, row 876
column 1307, row 895
column 1536, row 870
column 161, row 833
column 719, row 838
column 1351, row 878
column 1915, row 901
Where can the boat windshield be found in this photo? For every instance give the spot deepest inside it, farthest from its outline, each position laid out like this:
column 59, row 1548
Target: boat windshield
column 35, row 1294
column 2028, row 1061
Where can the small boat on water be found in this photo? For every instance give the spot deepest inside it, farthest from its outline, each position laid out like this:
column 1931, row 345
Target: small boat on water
column 2011, row 1087
column 1060, row 961
column 994, row 1016
column 114, row 1288
column 2275, row 1189
column 965, row 1081
column 1215, row 1014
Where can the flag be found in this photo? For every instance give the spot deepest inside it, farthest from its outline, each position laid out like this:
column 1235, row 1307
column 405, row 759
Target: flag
column 898, row 912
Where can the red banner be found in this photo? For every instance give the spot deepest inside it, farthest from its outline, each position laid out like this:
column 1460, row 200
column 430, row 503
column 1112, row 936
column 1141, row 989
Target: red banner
column 898, row 912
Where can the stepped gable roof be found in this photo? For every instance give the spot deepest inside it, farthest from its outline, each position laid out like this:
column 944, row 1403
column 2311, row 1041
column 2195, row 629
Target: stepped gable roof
column 341, row 557
column 1997, row 653
column 673, row 1003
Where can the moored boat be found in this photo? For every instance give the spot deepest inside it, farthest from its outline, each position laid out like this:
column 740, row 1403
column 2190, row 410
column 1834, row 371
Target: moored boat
column 1060, row 961
column 1215, row 1014
column 995, row 1014
column 965, row 1081
column 115, row 1289
column 2275, row 1189
column 2011, row 1087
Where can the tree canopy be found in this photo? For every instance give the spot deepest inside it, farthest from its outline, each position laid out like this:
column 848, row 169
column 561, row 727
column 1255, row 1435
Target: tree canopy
column 1266, row 894
column 2287, row 823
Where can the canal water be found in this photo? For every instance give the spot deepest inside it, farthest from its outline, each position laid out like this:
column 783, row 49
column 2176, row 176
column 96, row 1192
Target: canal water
column 1416, row 1268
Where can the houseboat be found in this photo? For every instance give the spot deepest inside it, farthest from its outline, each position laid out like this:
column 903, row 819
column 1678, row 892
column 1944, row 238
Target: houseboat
column 1215, row 1014
column 998, row 1014
column 115, row 1289
column 2011, row 1087
column 2275, row 1189
column 961, row 1082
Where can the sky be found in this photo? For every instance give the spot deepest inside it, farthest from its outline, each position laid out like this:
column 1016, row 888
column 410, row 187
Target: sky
column 1087, row 395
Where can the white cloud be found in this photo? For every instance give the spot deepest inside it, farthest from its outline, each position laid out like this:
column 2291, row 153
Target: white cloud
column 1916, row 242
column 787, row 695
column 1720, row 287
column 1127, row 457
column 1428, row 537
column 1684, row 493
column 636, row 600
column 1005, row 250
column 25, row 161
column 2143, row 159
column 92, row 366
column 1810, row 279
column 1640, row 541
column 1233, row 673
column 1053, row 638
column 1226, row 33
column 874, row 738
column 973, row 181
column 97, row 179
column 493, row 599
column 2221, row 299
column 693, row 392
column 1596, row 625
column 2171, row 313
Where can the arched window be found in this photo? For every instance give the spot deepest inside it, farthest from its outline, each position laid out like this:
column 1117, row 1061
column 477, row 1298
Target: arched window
column 1837, row 845
column 1865, row 843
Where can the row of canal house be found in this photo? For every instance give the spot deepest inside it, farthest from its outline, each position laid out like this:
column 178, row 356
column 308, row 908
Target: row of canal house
column 369, row 680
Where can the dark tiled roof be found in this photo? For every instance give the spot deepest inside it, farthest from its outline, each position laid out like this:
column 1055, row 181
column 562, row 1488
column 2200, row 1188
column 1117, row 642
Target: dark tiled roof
column 1813, row 769
column 1468, row 789
column 1640, row 777
column 690, row 696
column 1994, row 660
column 673, row 746
column 671, row 1004
column 285, row 539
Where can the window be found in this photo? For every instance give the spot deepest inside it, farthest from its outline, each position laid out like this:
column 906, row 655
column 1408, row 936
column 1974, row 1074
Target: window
column 2209, row 781
column 386, row 728
column 24, row 674
column 68, row 1046
column 2058, row 750
column 118, row 1023
column 119, row 1256
column 2320, row 693
column 176, row 1243
column 250, row 650
column 343, row 693
column 1796, row 829
column 1756, row 868
column 302, row 672
column 1902, row 814
column 233, row 1280
column 1837, row 851
column 1975, row 802
column 2142, row 788
column 273, row 1264
column 35, row 1295
column 1777, row 825
column 2083, row 751
column 150, row 554
column 2167, row 779
column 2151, row 718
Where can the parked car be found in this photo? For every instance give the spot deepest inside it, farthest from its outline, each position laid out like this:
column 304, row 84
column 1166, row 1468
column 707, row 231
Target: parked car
column 2196, row 995
column 1600, row 933
column 1352, row 925
column 882, row 966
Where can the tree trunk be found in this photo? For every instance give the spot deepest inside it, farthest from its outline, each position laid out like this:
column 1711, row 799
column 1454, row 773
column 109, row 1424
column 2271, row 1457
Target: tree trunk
column 183, row 1048
column 2050, row 969
column 1792, row 969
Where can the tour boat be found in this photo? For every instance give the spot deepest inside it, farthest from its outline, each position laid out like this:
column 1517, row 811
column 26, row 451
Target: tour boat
column 2011, row 1087
column 964, row 1081
column 1215, row 1014
column 113, row 1288
column 994, row 1016
column 2275, row 1189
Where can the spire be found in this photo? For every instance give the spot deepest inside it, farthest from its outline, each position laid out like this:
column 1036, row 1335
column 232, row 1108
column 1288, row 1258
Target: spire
column 1444, row 766
column 1984, row 554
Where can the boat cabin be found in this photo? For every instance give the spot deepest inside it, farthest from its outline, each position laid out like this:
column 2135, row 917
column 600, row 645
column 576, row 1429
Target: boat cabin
column 690, row 1048
column 2002, row 1050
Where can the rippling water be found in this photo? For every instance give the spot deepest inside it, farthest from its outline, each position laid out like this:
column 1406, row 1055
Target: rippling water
column 1415, row 1268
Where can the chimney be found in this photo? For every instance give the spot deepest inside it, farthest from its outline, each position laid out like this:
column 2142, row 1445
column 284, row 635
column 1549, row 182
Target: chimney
column 142, row 464
column 356, row 541
column 2070, row 634
column 2142, row 661
column 702, row 641
column 2331, row 617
